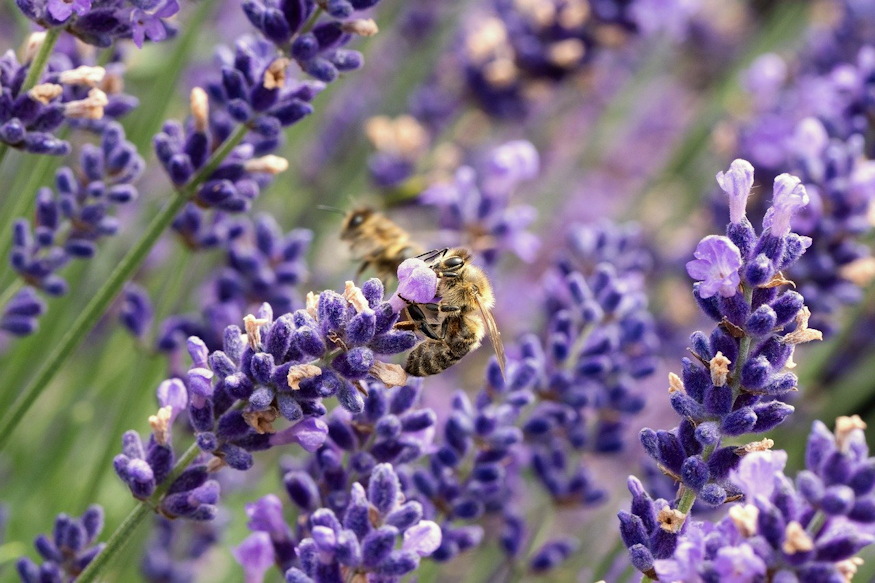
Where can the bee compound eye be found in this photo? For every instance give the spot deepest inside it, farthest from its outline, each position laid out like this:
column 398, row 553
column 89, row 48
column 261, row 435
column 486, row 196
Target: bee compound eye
column 357, row 220
column 454, row 262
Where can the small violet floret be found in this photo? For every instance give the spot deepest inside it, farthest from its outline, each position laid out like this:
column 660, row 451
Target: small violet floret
column 736, row 183
column 417, row 283
column 716, row 264
column 789, row 197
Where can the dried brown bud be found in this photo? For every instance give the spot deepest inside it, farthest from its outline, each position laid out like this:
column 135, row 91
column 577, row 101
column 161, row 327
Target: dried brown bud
column 719, row 367
column 744, row 517
column 200, row 109
column 300, row 372
column 45, row 92
column 671, row 519
column 253, row 325
column 89, row 108
column 796, row 540
column 275, row 75
column 391, row 375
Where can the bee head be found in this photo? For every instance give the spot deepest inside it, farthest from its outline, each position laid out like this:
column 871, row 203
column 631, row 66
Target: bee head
column 354, row 220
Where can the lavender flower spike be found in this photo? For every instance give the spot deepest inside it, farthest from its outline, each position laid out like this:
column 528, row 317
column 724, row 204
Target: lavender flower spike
column 67, row 551
column 716, row 266
column 737, row 182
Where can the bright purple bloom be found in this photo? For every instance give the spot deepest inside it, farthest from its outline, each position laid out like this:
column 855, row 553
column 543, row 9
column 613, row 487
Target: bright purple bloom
column 61, row 10
column 150, row 23
column 789, row 197
column 736, row 183
column 755, row 474
column 417, row 283
column 739, row 565
column 716, row 266
column 256, row 556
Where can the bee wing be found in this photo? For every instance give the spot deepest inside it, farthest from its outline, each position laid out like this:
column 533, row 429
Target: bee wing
column 494, row 336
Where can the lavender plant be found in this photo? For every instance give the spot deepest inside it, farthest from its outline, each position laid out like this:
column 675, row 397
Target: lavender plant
column 523, row 117
column 738, row 383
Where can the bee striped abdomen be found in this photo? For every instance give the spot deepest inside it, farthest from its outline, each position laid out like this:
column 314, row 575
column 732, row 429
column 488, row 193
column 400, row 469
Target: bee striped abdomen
column 435, row 356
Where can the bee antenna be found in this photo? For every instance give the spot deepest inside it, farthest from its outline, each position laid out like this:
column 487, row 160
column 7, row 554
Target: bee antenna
column 332, row 209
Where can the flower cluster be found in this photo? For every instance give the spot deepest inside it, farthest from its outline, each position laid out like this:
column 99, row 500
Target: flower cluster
column 826, row 141
column 68, row 551
column 318, row 49
column 175, row 548
column 262, row 264
column 807, row 531
column 476, row 207
column 68, row 91
column 70, row 221
column 524, row 43
column 736, row 383
column 103, row 22
column 466, row 477
column 278, row 368
column 360, row 542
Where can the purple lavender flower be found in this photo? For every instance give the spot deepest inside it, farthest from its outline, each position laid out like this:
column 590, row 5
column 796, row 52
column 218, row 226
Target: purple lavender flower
column 255, row 555
column 71, row 220
column 807, row 531
column 359, row 541
column 735, row 387
column 789, row 197
column 716, row 267
column 150, row 23
column 523, row 44
column 176, row 549
column 69, row 90
column 417, row 283
column 68, row 551
column 105, row 22
column 476, row 206
column 262, row 264
column 736, row 183
column 279, row 368
column 815, row 124
column 61, row 10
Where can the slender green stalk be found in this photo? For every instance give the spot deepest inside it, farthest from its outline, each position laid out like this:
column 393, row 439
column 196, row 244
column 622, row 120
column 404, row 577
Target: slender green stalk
column 10, row 292
column 104, row 297
column 122, row 534
column 41, row 59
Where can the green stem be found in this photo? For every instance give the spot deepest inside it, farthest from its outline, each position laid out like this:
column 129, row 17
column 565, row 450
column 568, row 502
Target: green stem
column 817, row 522
column 39, row 62
column 104, row 297
column 122, row 534
column 10, row 292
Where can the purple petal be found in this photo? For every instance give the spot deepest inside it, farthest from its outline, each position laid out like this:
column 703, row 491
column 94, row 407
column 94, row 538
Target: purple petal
column 423, row 539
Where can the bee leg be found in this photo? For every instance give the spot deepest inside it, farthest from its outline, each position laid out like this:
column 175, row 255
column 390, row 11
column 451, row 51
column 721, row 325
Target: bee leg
column 418, row 320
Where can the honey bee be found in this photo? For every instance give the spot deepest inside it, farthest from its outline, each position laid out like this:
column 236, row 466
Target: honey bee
column 456, row 324
column 377, row 242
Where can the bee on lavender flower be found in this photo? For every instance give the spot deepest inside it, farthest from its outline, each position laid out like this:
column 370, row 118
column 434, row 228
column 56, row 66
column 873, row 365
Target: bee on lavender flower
column 457, row 323
column 377, row 241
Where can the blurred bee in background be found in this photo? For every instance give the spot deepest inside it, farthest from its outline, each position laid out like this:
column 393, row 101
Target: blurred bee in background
column 378, row 242
column 456, row 324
